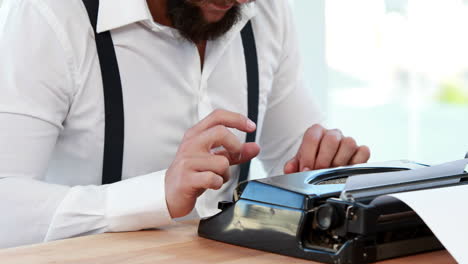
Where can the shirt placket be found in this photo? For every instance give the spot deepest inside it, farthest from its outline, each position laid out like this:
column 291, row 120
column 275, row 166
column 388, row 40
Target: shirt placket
column 205, row 106
column 214, row 51
column 204, row 103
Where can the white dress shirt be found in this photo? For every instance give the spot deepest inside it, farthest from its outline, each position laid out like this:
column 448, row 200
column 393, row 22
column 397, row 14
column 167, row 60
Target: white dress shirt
column 52, row 113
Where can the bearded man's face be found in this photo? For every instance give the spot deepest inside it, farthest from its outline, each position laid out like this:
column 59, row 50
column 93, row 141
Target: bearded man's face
column 199, row 20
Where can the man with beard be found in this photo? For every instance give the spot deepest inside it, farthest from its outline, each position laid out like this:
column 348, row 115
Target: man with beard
column 165, row 151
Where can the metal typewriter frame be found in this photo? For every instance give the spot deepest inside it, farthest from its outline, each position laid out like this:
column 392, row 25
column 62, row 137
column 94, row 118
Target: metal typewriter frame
column 273, row 216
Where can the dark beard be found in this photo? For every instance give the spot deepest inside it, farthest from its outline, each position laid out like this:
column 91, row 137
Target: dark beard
column 189, row 20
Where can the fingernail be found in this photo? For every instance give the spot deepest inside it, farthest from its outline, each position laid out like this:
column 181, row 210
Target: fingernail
column 306, row 169
column 251, row 124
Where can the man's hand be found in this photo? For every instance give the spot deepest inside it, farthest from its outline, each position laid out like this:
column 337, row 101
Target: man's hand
column 322, row 148
column 198, row 167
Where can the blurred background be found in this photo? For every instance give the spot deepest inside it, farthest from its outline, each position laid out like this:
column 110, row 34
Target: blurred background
column 391, row 73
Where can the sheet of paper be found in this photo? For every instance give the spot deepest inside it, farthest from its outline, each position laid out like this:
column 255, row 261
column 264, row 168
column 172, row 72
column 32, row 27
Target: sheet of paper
column 445, row 212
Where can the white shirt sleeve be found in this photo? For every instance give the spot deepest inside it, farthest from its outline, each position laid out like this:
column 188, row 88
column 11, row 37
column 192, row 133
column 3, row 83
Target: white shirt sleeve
column 36, row 91
column 291, row 108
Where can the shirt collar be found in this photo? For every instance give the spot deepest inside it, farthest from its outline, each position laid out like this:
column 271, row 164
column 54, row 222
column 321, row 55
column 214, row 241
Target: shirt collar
column 249, row 10
column 118, row 13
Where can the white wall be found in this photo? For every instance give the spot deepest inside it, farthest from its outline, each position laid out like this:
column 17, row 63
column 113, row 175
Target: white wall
column 378, row 68
column 310, row 23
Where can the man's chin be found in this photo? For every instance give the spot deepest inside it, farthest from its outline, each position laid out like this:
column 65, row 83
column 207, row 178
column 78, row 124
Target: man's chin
column 213, row 17
column 197, row 22
column 214, row 12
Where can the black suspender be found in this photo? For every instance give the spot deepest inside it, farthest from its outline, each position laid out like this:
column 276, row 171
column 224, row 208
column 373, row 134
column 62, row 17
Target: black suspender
column 251, row 63
column 113, row 102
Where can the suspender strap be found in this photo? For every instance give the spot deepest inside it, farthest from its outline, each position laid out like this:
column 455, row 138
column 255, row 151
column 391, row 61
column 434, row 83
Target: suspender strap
column 113, row 102
column 251, row 61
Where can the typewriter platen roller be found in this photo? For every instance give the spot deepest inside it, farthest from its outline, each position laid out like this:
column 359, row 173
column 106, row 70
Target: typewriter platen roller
column 316, row 215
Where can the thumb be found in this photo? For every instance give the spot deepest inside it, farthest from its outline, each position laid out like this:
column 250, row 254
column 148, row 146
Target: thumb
column 292, row 166
column 249, row 151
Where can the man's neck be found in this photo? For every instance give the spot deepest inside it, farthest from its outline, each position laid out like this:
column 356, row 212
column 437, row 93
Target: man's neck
column 158, row 9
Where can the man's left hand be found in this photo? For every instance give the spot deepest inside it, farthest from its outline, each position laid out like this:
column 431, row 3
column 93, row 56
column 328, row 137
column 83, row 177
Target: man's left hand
column 322, row 148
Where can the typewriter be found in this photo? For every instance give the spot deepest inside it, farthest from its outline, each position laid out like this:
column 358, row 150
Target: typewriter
column 336, row 215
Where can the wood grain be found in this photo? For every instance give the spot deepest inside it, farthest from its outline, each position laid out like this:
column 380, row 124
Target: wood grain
column 174, row 244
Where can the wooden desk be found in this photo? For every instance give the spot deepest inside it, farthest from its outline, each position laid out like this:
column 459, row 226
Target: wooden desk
column 173, row 245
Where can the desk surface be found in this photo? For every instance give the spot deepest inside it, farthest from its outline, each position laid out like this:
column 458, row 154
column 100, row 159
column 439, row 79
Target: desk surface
column 174, row 244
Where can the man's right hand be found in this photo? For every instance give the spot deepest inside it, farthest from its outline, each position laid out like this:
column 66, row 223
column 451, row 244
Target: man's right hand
column 198, row 167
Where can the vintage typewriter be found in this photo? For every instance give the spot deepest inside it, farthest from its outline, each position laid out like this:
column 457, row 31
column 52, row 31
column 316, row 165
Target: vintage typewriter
column 336, row 215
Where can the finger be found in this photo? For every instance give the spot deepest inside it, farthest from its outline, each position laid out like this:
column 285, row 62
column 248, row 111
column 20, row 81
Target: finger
column 362, row 155
column 223, row 152
column 248, row 151
column 206, row 180
column 328, row 149
column 216, row 137
column 224, row 118
column 292, row 166
column 310, row 145
column 346, row 151
column 215, row 163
